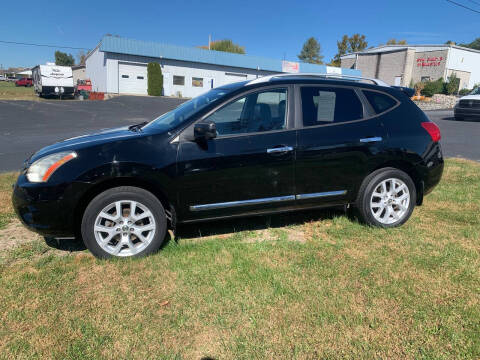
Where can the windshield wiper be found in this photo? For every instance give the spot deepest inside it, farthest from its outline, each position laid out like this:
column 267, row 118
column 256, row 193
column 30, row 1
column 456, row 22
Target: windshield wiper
column 137, row 127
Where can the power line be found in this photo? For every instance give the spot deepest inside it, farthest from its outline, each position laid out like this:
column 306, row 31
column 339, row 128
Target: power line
column 463, row 6
column 42, row 45
column 474, row 2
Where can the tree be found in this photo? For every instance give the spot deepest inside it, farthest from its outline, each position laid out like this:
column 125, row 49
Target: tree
column 396, row 42
column 475, row 44
column 347, row 45
column 450, row 42
column 311, row 52
column 225, row 45
column 81, row 56
column 155, row 79
column 64, row 59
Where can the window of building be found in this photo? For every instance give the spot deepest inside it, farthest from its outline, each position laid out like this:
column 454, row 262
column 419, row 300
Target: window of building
column 325, row 105
column 178, row 80
column 140, row 77
column 125, row 76
column 197, row 82
column 256, row 112
column 425, row 78
column 380, row 102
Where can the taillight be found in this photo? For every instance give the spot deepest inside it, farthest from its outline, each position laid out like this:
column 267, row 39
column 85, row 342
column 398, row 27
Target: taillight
column 432, row 130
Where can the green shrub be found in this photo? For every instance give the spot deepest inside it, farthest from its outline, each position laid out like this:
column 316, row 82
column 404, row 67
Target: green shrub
column 452, row 85
column 155, row 79
column 464, row 92
column 433, row 87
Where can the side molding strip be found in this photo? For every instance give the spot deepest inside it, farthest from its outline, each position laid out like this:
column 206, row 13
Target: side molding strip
column 320, row 195
column 241, row 203
column 265, row 200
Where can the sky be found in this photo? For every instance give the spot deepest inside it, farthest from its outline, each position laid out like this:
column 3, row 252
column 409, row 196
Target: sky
column 275, row 29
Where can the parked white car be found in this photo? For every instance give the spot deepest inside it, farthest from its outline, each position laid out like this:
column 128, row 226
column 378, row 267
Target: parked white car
column 468, row 106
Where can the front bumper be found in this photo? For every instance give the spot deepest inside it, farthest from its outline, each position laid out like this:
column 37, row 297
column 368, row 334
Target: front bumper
column 48, row 209
column 467, row 112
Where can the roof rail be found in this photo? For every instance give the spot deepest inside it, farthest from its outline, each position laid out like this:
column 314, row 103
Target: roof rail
column 324, row 76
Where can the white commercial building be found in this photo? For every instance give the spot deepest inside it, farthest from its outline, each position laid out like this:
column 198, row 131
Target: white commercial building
column 408, row 64
column 119, row 65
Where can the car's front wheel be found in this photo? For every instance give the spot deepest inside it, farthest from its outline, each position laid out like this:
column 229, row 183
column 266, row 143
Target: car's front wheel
column 386, row 198
column 124, row 222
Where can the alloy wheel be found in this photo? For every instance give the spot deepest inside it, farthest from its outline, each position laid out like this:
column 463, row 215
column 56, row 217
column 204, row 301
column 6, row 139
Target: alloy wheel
column 390, row 201
column 124, row 228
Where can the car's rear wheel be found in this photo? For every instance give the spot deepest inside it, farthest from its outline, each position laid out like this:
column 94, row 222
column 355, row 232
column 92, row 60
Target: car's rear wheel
column 124, row 222
column 386, row 198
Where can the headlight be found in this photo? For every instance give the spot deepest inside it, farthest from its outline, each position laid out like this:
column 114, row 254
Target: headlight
column 42, row 169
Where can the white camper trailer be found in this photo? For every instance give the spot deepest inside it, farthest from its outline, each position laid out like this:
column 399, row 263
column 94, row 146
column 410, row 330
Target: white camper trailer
column 51, row 79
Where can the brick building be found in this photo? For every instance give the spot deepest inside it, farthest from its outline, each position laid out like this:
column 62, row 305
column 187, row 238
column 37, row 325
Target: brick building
column 408, row 64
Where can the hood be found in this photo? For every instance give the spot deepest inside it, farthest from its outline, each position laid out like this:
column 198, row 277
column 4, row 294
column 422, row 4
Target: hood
column 470, row 97
column 83, row 141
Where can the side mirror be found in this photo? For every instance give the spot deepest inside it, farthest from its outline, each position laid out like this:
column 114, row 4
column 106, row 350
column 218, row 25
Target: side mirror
column 205, row 130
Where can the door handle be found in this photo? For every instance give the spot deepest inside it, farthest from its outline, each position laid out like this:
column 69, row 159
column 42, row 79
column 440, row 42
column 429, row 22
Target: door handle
column 282, row 149
column 371, row 139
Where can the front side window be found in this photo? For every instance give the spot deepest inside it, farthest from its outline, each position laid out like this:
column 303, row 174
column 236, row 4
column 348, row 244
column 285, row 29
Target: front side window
column 183, row 113
column 326, row 105
column 178, row 80
column 256, row 112
column 380, row 102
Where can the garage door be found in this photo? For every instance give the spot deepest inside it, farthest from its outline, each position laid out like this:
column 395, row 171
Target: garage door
column 132, row 79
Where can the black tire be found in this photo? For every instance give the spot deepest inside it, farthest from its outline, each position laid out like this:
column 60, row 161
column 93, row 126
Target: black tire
column 122, row 193
column 371, row 182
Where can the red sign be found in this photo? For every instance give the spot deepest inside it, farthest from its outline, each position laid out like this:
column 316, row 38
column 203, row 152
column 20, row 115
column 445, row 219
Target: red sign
column 430, row 61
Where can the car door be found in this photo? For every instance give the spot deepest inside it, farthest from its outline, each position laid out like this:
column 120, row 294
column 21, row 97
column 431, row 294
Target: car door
column 339, row 142
column 249, row 166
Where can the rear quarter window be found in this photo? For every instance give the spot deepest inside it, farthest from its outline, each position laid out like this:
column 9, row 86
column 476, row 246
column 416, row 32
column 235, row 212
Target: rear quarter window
column 379, row 102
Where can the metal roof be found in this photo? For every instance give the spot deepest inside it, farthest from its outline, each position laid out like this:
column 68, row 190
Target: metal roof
column 121, row 45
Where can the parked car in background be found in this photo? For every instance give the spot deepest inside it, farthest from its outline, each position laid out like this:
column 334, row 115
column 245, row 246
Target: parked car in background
column 27, row 82
column 11, row 79
column 468, row 107
column 274, row 144
column 3, row 78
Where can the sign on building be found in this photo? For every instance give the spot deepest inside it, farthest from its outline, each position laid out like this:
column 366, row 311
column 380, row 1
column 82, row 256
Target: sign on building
column 290, row 66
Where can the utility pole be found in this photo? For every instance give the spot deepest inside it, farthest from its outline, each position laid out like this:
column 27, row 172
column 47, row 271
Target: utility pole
column 209, row 41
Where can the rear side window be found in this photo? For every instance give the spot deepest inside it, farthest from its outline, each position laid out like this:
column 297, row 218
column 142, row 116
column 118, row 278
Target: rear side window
column 380, row 102
column 327, row 105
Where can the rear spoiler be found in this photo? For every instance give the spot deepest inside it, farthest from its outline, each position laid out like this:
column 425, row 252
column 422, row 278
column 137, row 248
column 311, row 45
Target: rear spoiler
column 408, row 91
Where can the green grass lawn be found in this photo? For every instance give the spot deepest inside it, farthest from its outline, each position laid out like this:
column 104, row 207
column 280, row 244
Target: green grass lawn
column 311, row 285
column 8, row 91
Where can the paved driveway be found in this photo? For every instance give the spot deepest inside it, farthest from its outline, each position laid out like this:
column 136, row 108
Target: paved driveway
column 26, row 126
column 459, row 138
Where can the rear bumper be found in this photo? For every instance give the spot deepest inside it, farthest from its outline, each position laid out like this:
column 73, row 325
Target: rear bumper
column 431, row 168
column 467, row 112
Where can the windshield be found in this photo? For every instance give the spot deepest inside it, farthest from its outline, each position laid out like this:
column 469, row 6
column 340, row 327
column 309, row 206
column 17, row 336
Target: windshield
column 475, row 91
column 177, row 116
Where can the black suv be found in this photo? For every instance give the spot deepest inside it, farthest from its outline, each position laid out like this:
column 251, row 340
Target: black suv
column 279, row 143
